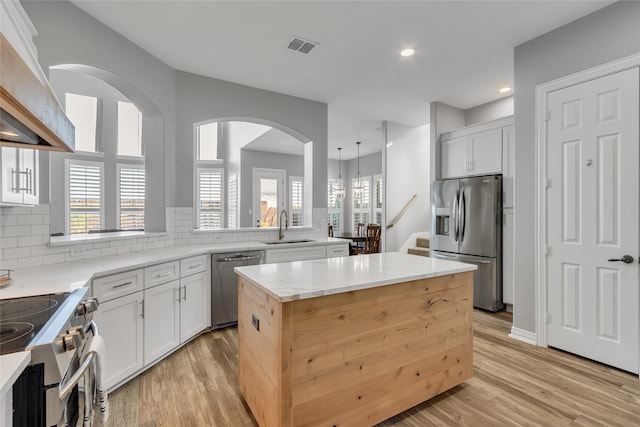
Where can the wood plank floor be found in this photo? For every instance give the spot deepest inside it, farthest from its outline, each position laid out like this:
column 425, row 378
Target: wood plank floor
column 514, row 384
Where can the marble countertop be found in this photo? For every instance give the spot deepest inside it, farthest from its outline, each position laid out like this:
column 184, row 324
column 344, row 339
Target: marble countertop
column 11, row 366
column 68, row 276
column 290, row 281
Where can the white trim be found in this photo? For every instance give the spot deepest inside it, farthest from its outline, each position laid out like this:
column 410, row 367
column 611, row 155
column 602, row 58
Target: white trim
column 522, row 335
column 542, row 91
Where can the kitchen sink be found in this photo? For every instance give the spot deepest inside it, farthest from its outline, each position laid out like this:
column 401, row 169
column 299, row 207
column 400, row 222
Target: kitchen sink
column 280, row 242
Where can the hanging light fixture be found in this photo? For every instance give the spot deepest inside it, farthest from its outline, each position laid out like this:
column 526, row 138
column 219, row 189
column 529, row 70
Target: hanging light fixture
column 358, row 187
column 339, row 191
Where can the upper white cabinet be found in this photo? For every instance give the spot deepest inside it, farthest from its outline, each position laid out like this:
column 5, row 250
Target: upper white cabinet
column 19, row 177
column 473, row 150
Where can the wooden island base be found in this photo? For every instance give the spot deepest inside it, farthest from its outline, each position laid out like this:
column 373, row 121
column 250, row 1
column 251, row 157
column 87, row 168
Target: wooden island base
column 354, row 358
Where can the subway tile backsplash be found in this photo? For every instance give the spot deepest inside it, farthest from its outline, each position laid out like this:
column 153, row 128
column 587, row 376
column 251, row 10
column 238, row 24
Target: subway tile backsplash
column 24, row 234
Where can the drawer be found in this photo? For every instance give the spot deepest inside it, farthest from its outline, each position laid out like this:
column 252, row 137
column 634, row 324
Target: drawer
column 295, row 254
column 337, row 250
column 193, row 265
column 117, row 285
column 161, row 273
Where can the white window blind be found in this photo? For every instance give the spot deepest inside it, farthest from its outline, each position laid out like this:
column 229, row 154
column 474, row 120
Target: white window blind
column 131, row 196
column 232, row 201
column 362, row 206
column 296, row 200
column 377, row 204
column 210, row 198
column 84, row 196
column 334, row 207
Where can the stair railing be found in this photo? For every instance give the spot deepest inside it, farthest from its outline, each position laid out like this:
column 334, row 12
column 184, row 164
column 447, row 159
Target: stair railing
column 403, row 211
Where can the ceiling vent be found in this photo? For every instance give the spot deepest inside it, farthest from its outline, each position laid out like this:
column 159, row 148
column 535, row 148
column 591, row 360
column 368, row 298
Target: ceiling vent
column 300, row 45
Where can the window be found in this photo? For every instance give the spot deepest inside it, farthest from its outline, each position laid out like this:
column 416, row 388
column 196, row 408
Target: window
column 84, row 195
column 268, row 196
column 335, row 207
column 296, row 200
column 207, row 141
column 209, row 209
column 131, row 193
column 83, row 113
column 129, row 130
column 377, row 204
column 362, row 207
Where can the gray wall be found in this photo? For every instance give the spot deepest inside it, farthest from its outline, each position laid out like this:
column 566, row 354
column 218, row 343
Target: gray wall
column 67, row 35
column 293, row 165
column 497, row 109
column 608, row 34
column 407, row 173
column 370, row 165
column 201, row 98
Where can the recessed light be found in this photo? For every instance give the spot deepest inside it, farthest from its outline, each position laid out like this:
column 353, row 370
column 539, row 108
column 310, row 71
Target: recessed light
column 407, row 52
column 504, row 89
column 7, row 133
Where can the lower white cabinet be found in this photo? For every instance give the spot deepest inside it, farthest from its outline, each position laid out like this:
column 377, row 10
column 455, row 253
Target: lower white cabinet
column 295, row 254
column 121, row 324
column 193, row 305
column 161, row 320
column 507, row 256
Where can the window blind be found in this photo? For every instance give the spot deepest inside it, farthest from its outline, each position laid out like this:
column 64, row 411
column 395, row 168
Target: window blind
column 232, row 202
column 85, row 198
column 131, row 184
column 296, row 193
column 334, row 207
column 210, row 198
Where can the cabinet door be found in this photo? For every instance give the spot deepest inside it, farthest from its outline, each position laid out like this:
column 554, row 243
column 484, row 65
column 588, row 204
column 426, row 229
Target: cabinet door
column 508, row 164
column 120, row 323
column 161, row 320
column 29, row 176
column 10, row 166
column 193, row 305
column 454, row 154
column 486, row 152
column 507, row 256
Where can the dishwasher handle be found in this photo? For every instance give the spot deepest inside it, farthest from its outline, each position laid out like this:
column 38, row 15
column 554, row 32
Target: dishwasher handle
column 239, row 258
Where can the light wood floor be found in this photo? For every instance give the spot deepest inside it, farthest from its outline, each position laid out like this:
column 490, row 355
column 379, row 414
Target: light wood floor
column 514, row 384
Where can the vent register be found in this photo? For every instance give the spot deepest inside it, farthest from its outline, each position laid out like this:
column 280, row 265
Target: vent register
column 300, row 45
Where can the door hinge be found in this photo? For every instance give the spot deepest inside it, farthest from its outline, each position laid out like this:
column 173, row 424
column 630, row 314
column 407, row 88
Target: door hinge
column 547, row 183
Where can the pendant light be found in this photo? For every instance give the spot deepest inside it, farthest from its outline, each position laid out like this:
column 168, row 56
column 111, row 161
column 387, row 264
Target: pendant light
column 358, row 187
column 339, row 191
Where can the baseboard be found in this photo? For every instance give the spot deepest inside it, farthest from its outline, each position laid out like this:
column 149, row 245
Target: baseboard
column 522, row 335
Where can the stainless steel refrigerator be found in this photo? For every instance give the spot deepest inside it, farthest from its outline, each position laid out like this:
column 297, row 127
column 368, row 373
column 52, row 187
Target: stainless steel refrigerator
column 467, row 227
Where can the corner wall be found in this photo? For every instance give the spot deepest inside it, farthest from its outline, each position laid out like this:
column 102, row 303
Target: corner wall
column 603, row 36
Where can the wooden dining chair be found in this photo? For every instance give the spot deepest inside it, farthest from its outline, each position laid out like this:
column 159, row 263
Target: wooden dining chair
column 372, row 241
column 361, row 232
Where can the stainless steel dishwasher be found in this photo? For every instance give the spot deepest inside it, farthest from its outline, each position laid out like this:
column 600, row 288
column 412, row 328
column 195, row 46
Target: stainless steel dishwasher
column 224, row 285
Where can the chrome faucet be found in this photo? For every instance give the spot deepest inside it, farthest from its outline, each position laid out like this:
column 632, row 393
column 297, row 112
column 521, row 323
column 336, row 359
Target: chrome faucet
column 286, row 223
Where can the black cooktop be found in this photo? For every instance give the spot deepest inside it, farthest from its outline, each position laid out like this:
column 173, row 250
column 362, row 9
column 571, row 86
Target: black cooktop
column 22, row 318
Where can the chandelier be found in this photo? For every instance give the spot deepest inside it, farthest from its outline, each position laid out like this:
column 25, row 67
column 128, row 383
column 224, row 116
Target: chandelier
column 339, row 191
column 358, row 187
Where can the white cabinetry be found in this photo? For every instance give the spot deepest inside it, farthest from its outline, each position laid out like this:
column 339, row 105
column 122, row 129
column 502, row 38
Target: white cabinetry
column 507, row 256
column 474, row 150
column 146, row 314
column 337, row 250
column 121, row 323
column 295, row 254
column 19, row 177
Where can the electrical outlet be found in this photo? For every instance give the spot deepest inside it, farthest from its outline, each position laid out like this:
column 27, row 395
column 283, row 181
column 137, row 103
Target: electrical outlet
column 255, row 322
column 76, row 252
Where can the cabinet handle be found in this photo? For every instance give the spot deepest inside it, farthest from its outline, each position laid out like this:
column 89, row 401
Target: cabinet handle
column 179, row 293
column 16, row 186
column 142, row 306
column 166, row 273
column 470, row 165
column 184, row 293
column 122, row 284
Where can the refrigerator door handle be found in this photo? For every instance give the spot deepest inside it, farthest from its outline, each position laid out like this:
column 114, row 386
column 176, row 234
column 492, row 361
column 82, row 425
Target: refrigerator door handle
column 454, row 214
column 462, row 258
column 461, row 215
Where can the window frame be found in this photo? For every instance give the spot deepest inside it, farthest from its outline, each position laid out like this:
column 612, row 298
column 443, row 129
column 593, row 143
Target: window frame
column 99, row 145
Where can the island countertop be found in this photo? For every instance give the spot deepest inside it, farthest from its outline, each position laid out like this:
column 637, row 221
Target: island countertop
column 290, row 281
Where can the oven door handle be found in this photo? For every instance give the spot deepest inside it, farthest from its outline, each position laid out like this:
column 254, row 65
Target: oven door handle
column 68, row 384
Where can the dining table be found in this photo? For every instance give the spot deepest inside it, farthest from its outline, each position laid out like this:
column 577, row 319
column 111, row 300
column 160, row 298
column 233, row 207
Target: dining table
column 356, row 238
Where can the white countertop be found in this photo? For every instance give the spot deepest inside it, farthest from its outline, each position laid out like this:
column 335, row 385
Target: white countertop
column 290, row 281
column 11, row 366
column 68, row 276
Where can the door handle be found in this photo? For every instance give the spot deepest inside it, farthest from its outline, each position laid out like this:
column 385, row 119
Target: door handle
column 462, row 219
column 627, row 259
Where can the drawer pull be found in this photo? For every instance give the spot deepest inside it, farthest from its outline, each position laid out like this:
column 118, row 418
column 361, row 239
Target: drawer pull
column 193, row 266
column 166, row 273
column 122, row 284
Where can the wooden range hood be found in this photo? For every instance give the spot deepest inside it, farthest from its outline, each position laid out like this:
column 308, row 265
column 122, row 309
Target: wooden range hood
column 30, row 115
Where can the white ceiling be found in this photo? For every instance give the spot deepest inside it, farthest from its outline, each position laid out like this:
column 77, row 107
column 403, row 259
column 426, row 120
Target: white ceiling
column 464, row 50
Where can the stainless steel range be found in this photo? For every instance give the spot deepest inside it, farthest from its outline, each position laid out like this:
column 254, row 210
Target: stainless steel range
column 57, row 329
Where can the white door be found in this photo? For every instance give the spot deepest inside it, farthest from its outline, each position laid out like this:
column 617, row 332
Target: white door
column 268, row 196
column 593, row 217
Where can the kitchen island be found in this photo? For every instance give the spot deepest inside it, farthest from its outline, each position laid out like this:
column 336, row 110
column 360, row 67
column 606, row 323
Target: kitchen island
column 352, row 340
